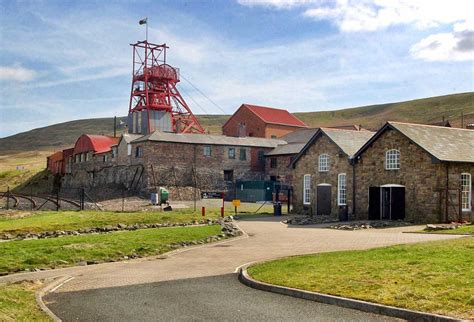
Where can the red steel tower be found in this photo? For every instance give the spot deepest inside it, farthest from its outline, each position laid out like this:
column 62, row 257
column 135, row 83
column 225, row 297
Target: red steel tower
column 155, row 102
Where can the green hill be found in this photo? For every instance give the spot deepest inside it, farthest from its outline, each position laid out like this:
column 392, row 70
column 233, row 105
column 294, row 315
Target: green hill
column 427, row 110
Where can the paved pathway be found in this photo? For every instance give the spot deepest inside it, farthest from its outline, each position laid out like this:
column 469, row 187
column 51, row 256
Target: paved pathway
column 267, row 238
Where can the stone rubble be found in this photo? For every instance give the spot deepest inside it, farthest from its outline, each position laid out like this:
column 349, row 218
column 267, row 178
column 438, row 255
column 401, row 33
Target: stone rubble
column 307, row 220
column 431, row 227
column 111, row 228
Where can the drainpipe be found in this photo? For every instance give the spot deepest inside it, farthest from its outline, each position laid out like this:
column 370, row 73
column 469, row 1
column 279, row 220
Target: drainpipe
column 354, row 213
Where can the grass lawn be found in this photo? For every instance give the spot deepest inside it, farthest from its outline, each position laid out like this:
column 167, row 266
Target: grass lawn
column 465, row 229
column 66, row 251
column 18, row 303
column 436, row 277
column 40, row 221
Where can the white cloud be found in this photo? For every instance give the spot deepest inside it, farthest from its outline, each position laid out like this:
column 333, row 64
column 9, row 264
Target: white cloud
column 279, row 4
column 16, row 73
column 455, row 46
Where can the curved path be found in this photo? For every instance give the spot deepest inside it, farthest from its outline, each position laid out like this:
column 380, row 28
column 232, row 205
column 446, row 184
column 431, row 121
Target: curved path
column 200, row 284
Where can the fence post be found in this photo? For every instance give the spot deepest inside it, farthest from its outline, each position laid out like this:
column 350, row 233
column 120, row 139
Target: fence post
column 57, row 199
column 203, row 211
column 8, row 197
column 123, row 198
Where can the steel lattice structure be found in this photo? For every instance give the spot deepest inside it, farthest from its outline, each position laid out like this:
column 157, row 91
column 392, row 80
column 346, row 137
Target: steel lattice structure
column 155, row 102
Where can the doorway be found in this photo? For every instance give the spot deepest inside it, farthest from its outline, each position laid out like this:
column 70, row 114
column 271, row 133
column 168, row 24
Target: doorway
column 387, row 202
column 323, row 199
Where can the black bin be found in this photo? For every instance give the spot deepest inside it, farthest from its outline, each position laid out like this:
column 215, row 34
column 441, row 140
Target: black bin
column 277, row 209
column 343, row 214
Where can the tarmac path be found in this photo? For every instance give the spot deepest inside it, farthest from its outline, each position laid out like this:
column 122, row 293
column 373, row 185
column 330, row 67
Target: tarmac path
column 200, row 283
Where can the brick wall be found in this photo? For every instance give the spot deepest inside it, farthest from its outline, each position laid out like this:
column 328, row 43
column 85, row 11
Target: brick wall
column 308, row 164
column 423, row 178
column 275, row 130
column 254, row 126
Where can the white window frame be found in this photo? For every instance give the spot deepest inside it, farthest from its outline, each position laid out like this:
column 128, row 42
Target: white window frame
column 323, row 164
column 231, row 153
column 207, row 151
column 129, row 149
column 341, row 189
column 306, row 189
column 392, row 159
column 466, row 182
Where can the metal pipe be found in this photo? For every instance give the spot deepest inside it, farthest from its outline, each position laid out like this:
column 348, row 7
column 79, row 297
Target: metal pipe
column 447, row 192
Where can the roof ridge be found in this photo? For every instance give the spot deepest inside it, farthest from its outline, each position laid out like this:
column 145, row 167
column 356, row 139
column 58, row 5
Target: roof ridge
column 429, row 125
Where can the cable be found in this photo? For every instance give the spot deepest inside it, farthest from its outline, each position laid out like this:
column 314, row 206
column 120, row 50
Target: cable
column 215, row 104
column 192, row 99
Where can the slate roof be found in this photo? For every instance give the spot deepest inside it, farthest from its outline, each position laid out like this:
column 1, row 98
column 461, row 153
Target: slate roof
column 291, row 148
column 443, row 143
column 299, row 136
column 349, row 141
column 210, row 139
column 129, row 137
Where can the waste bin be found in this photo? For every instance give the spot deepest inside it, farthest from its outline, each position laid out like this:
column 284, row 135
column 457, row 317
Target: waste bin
column 343, row 214
column 164, row 195
column 277, row 208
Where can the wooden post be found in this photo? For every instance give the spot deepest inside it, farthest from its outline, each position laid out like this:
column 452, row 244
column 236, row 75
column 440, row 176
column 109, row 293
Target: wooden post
column 8, row 197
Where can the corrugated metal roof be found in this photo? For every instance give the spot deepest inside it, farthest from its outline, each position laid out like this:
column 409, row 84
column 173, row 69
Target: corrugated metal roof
column 291, row 148
column 94, row 143
column 275, row 115
column 210, row 139
column 444, row 143
column 349, row 141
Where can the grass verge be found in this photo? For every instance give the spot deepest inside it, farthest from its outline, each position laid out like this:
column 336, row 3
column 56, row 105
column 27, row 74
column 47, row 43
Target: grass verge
column 70, row 250
column 18, row 303
column 464, row 230
column 436, row 277
column 35, row 222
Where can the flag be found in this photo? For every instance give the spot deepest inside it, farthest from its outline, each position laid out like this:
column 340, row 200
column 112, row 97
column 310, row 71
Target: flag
column 143, row 21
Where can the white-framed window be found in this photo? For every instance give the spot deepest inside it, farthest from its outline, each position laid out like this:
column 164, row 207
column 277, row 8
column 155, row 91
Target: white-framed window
column 466, row 191
column 114, row 152
column 231, row 153
column 392, row 159
column 341, row 189
column 207, row 151
column 323, row 163
column 139, row 152
column 129, row 149
column 105, row 158
column 306, row 189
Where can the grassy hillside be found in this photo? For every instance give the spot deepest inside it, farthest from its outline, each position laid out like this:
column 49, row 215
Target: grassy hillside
column 425, row 110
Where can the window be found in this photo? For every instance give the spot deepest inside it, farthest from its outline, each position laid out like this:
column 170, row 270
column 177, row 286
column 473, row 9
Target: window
column 392, row 160
column 207, row 151
column 273, row 163
column 81, row 158
column 466, row 191
column 228, row 175
column 77, row 158
column 139, row 152
column 243, row 155
column 88, row 156
column 306, row 189
column 114, row 151
column 129, row 149
column 341, row 189
column 323, row 163
column 231, row 153
column 273, row 136
column 261, row 155
column 105, row 158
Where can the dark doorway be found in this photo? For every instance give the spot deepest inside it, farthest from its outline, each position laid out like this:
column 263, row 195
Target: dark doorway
column 374, row 203
column 323, row 200
column 228, row 175
column 387, row 203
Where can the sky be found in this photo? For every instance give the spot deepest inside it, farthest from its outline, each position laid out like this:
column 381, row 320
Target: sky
column 66, row 60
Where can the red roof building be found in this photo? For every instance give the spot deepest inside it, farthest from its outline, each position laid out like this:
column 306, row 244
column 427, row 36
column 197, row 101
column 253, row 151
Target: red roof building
column 94, row 143
column 260, row 121
column 55, row 163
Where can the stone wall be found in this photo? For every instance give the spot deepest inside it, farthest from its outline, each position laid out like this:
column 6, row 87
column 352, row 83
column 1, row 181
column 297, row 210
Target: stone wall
column 308, row 164
column 281, row 172
column 424, row 179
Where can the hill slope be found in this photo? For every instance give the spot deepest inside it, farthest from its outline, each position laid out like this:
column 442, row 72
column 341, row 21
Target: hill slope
column 427, row 110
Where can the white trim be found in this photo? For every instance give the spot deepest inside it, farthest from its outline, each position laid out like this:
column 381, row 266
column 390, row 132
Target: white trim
column 307, row 189
column 324, row 184
column 323, row 167
column 339, row 190
column 392, row 185
column 395, row 162
column 469, row 194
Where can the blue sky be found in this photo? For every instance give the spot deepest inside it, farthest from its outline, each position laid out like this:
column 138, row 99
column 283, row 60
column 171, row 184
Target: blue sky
column 68, row 60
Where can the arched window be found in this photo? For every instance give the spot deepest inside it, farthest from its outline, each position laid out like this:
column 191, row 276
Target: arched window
column 466, row 191
column 392, row 160
column 323, row 163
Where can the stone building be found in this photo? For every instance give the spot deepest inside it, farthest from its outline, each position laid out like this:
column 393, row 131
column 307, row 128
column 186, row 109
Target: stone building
column 260, row 121
column 323, row 175
column 209, row 162
column 278, row 160
column 416, row 172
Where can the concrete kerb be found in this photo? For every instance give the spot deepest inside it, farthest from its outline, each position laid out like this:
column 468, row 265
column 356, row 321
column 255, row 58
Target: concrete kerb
column 406, row 314
column 51, row 287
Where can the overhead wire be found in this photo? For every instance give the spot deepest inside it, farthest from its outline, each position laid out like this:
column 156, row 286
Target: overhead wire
column 192, row 99
column 200, row 92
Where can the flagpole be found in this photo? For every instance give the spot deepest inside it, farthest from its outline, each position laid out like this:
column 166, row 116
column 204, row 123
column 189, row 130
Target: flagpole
column 147, row 29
